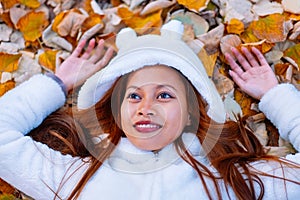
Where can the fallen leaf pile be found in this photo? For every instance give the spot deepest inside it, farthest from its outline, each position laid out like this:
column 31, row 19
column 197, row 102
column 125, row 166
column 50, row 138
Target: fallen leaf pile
column 37, row 35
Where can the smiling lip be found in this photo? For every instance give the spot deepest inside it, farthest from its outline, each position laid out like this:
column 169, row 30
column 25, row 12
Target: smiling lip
column 146, row 126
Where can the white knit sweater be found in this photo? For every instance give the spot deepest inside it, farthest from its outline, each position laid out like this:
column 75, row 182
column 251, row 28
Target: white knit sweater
column 129, row 173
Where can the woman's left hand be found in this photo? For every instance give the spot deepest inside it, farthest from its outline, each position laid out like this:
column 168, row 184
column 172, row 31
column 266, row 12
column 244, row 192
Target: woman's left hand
column 81, row 65
column 254, row 75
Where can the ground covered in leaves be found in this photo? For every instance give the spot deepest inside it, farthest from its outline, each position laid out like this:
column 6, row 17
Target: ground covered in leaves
column 37, row 35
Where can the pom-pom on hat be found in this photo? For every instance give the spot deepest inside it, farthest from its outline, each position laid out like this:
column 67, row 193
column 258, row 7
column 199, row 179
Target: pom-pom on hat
column 167, row 49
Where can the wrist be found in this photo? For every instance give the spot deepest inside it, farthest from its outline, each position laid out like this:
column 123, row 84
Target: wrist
column 58, row 81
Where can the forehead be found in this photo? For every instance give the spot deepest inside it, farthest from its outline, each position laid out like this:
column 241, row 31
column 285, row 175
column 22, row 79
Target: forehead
column 157, row 74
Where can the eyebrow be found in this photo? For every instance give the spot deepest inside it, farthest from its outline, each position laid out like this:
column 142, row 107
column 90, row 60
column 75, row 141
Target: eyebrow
column 158, row 87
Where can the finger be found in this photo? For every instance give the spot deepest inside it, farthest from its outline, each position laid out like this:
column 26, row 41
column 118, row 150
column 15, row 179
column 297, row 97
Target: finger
column 233, row 65
column 98, row 52
column 262, row 60
column 77, row 51
column 242, row 60
column 237, row 79
column 106, row 58
column 89, row 49
column 250, row 58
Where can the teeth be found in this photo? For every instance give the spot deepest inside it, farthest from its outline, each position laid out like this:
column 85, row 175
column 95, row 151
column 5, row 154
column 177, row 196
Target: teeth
column 147, row 126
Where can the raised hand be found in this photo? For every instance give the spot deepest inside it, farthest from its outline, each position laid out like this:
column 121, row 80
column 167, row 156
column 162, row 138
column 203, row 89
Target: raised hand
column 81, row 65
column 253, row 74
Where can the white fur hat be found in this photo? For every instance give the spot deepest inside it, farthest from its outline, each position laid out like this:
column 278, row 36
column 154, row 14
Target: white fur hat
column 136, row 52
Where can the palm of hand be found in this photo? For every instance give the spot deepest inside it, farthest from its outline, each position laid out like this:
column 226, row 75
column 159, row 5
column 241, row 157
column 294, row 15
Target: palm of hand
column 80, row 66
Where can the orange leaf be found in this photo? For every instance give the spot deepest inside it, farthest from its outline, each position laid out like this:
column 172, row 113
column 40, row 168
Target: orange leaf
column 86, row 5
column 32, row 25
column 30, row 3
column 193, row 4
column 4, row 87
column 293, row 53
column 9, row 62
column 7, row 4
column 235, row 26
column 280, row 68
column 6, row 18
column 137, row 22
column 91, row 21
column 58, row 18
column 270, row 28
column 48, row 59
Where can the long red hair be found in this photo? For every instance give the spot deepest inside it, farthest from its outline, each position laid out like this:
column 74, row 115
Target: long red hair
column 230, row 147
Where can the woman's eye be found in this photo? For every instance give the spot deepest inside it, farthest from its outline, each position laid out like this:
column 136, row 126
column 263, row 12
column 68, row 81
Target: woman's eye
column 164, row 95
column 134, row 96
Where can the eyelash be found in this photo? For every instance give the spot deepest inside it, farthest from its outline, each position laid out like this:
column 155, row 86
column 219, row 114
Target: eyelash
column 134, row 96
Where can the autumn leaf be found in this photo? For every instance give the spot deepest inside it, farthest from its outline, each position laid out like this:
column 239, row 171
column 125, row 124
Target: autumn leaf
column 245, row 102
column 5, row 16
column 32, row 25
column 30, row 3
column 4, row 87
column 293, row 53
column 250, row 39
column 70, row 23
column 137, row 22
column 271, row 28
column 280, row 68
column 235, row 26
column 7, row 4
column 9, row 62
column 194, row 4
column 91, row 21
column 48, row 59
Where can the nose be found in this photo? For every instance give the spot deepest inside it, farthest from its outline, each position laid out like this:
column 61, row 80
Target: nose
column 146, row 108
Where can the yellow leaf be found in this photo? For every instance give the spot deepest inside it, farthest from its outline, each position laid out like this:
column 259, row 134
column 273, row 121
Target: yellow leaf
column 48, row 59
column 245, row 102
column 208, row 61
column 7, row 4
column 293, row 53
column 30, row 3
column 194, row 4
column 9, row 62
column 137, row 22
column 32, row 25
column 4, row 87
column 235, row 26
column 270, row 28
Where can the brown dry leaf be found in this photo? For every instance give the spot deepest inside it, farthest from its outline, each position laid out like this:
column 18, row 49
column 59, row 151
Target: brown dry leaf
column 9, row 62
column 291, row 6
column 198, row 23
column 32, row 25
column 4, row 87
column 229, row 41
column 212, row 39
column 223, row 84
column 266, row 7
column 70, row 23
column 48, row 59
column 293, row 53
column 30, row 3
column 7, row 4
column 273, row 28
column 156, row 5
column 137, row 22
column 245, row 102
column 235, row 26
column 195, row 5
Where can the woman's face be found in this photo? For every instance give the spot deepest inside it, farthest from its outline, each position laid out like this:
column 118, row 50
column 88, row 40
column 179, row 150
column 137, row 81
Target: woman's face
column 154, row 110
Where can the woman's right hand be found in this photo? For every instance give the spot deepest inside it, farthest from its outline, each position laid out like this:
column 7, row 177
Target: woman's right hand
column 253, row 74
column 81, row 65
